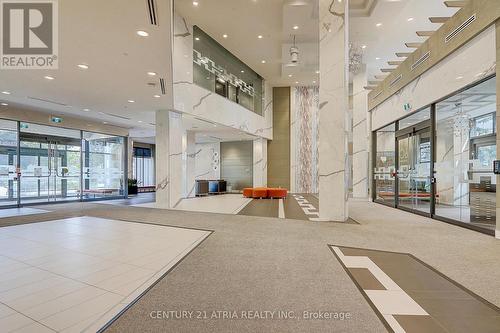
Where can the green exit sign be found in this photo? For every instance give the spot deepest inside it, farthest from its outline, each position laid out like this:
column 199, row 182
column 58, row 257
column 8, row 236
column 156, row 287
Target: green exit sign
column 407, row 106
column 56, row 120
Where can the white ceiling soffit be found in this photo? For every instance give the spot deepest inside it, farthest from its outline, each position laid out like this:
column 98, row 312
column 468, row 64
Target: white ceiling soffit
column 391, row 24
column 244, row 20
column 359, row 8
column 102, row 35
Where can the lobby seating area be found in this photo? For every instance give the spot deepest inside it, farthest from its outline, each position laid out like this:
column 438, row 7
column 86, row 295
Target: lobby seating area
column 265, row 193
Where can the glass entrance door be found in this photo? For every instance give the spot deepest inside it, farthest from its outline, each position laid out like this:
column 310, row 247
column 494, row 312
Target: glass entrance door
column 414, row 171
column 50, row 169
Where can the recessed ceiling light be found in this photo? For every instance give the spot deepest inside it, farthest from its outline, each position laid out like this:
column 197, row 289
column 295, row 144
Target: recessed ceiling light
column 263, row 61
column 195, row 3
column 290, row 75
column 296, row 82
column 378, row 25
column 260, row 36
column 314, row 82
column 225, row 35
column 156, row 96
column 139, row 121
column 242, row 71
column 197, row 38
column 83, row 66
column 4, row 104
column 142, row 33
column 410, row 19
column 295, row 27
column 377, row 58
column 131, row 101
column 363, row 47
column 86, row 110
column 317, row 72
column 460, row 77
column 152, row 73
column 6, row 92
column 104, row 122
column 48, row 77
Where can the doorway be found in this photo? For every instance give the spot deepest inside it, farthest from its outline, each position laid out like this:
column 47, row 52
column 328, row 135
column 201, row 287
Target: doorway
column 414, row 176
column 50, row 168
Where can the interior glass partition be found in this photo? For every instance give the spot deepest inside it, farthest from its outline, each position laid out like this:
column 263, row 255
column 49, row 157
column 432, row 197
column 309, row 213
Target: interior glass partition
column 8, row 162
column 143, row 167
column 218, row 70
column 385, row 165
column 104, row 166
column 465, row 151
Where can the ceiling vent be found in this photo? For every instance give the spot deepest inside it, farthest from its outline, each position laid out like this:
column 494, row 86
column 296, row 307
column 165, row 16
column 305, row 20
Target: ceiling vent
column 117, row 116
column 460, row 28
column 396, row 80
column 47, row 101
column 421, row 60
column 152, row 12
column 162, row 87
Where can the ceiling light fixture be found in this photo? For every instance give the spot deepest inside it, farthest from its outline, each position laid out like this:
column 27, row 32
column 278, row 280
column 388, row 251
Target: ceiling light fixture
column 290, row 75
column 6, row 92
column 460, row 77
column 195, row 3
column 242, row 71
column 317, row 72
column 263, row 61
column 86, row 110
column 225, row 35
column 83, row 66
column 48, row 77
column 363, row 46
column 377, row 58
column 295, row 27
column 378, row 25
column 131, row 101
column 410, row 19
column 152, row 73
column 197, row 38
column 139, row 121
column 260, row 36
column 156, row 96
column 314, row 82
column 4, row 104
column 142, row 33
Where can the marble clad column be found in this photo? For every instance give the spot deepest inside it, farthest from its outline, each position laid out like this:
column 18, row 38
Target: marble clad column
column 497, row 233
column 333, row 108
column 190, row 164
column 259, row 162
column 361, row 135
column 130, row 157
column 162, row 127
column 162, row 160
column 177, row 166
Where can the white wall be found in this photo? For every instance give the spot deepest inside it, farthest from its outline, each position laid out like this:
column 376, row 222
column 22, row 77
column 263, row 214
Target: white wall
column 197, row 101
column 477, row 56
column 207, row 161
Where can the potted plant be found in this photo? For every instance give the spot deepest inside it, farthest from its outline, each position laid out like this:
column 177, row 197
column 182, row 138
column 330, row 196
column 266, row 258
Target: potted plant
column 132, row 186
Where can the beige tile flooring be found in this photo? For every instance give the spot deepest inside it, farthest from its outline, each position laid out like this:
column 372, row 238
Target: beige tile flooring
column 76, row 274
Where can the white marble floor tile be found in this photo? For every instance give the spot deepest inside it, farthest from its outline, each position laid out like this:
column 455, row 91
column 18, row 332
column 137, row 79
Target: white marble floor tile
column 9, row 212
column 71, row 274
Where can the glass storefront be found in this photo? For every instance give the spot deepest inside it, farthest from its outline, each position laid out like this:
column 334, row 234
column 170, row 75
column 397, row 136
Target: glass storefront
column 219, row 71
column 58, row 164
column 439, row 161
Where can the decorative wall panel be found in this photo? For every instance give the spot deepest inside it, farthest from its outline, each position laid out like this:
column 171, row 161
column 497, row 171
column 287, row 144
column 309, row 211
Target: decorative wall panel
column 304, row 139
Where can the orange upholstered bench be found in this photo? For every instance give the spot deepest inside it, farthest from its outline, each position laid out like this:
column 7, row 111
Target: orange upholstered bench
column 277, row 193
column 248, row 192
column 259, row 192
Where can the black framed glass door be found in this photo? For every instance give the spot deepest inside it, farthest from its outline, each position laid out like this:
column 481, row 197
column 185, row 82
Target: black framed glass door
column 414, row 185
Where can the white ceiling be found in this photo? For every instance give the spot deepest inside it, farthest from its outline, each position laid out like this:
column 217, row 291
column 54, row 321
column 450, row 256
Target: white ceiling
column 244, row 20
column 384, row 41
